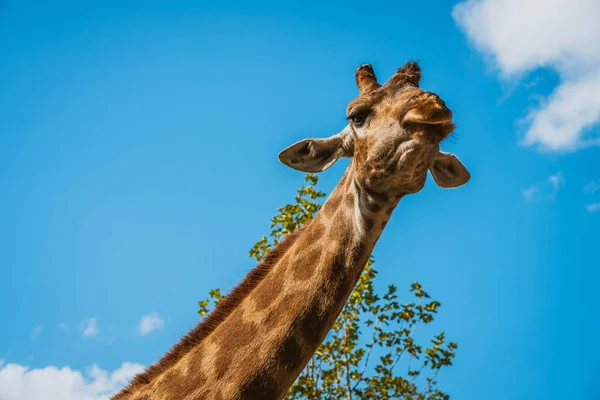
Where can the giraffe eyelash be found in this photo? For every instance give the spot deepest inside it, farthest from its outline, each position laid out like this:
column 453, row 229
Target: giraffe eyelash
column 359, row 116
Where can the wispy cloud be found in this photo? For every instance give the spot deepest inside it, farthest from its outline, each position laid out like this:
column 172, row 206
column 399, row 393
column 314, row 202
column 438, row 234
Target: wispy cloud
column 564, row 35
column 556, row 181
column 89, row 327
column 149, row 323
column 592, row 208
column 592, row 187
column 544, row 190
column 18, row 382
column 37, row 331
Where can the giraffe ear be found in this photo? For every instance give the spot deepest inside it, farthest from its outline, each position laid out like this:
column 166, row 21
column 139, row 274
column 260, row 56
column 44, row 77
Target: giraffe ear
column 448, row 171
column 316, row 155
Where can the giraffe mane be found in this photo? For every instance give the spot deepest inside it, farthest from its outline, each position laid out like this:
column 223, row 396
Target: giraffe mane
column 222, row 310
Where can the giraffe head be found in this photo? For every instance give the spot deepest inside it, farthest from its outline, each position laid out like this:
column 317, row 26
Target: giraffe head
column 393, row 135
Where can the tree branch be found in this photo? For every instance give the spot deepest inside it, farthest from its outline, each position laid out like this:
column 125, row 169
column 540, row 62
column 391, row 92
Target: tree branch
column 370, row 346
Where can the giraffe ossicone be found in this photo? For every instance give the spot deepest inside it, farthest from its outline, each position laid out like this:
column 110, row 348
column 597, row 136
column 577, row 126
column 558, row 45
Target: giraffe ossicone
column 259, row 338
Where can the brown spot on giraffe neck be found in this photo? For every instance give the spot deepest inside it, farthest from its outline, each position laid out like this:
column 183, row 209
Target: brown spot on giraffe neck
column 260, row 387
column 175, row 382
column 339, row 194
column 368, row 222
column 331, row 205
column 311, row 234
column 289, row 352
column 272, row 286
column 349, row 200
column 240, row 332
column 314, row 316
column 306, row 271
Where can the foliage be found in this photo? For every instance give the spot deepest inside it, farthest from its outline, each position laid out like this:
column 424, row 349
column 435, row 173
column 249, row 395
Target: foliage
column 369, row 327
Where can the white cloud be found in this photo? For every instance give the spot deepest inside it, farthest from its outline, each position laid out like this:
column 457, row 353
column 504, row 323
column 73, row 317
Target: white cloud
column 592, row 187
column 544, row 190
column 592, row 208
column 89, row 327
column 149, row 323
column 556, row 181
column 564, row 35
column 18, row 382
column 37, row 331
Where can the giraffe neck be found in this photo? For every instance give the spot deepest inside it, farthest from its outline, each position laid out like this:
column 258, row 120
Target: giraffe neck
column 260, row 348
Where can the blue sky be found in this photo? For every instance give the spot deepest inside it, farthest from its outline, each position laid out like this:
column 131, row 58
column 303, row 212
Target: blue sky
column 138, row 146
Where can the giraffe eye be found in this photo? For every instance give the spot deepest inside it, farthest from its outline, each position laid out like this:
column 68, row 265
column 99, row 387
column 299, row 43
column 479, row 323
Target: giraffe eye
column 359, row 117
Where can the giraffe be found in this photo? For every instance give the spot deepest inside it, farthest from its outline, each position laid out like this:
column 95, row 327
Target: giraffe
column 259, row 338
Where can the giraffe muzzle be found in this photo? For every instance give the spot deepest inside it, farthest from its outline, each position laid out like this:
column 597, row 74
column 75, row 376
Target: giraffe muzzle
column 428, row 109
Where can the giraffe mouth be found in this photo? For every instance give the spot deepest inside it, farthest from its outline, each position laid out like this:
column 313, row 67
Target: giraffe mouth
column 441, row 116
column 428, row 109
column 434, row 113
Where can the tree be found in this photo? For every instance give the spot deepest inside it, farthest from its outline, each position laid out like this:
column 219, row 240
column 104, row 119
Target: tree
column 369, row 327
